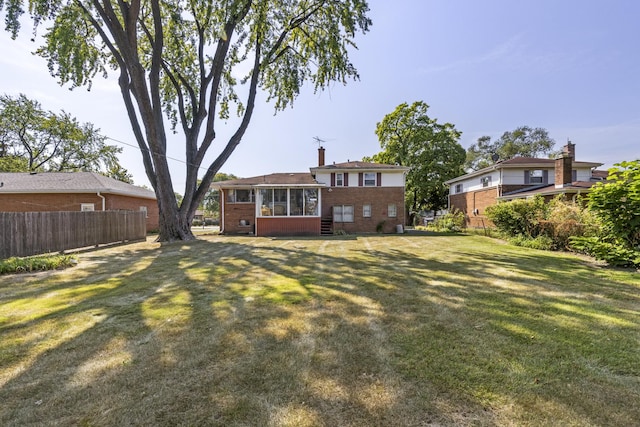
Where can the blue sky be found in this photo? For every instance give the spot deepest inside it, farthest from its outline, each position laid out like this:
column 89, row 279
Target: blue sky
column 570, row 66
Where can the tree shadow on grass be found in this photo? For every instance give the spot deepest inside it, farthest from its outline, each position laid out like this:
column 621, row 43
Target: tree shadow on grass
column 247, row 331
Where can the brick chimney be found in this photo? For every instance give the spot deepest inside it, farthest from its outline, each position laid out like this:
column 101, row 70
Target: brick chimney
column 321, row 156
column 563, row 169
column 570, row 150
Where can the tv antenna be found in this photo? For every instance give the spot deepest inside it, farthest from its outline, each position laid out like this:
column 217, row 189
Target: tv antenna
column 320, row 141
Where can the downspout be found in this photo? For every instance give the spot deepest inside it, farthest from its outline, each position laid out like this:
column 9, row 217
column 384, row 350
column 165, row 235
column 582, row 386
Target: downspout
column 103, row 200
column 222, row 203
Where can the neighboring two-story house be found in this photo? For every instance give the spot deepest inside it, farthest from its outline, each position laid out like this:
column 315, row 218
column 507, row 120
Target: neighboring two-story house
column 520, row 177
column 356, row 197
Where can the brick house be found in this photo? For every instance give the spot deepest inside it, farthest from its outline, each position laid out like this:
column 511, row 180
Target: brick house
column 74, row 191
column 356, row 197
column 520, row 177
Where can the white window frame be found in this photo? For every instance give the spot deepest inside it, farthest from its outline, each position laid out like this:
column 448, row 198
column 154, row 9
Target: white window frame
column 392, row 210
column 459, row 188
column 369, row 182
column 87, row 207
column 146, row 212
column 233, row 192
column 366, row 211
column 339, row 179
column 486, row 181
column 339, row 214
column 536, row 176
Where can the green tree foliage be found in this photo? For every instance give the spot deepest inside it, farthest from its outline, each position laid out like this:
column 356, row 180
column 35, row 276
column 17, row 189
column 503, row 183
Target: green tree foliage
column 33, row 139
column 523, row 141
column 13, row 164
column 408, row 137
column 195, row 62
column 617, row 203
column 211, row 202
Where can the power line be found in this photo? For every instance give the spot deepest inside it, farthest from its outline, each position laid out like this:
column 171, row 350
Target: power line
column 163, row 155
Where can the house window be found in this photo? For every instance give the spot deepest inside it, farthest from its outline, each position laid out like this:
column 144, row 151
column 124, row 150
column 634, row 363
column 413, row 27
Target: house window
column 366, row 211
column 240, row 196
column 343, row 213
column 485, row 181
column 369, row 179
column 144, row 209
column 87, row 207
column 339, row 180
column 392, row 210
column 536, row 176
column 458, row 188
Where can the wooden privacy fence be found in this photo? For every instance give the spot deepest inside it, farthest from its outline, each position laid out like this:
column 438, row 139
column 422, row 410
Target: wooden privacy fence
column 32, row 233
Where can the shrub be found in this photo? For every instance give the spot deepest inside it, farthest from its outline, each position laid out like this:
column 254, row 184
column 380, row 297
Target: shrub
column 541, row 242
column 196, row 223
column 36, row 263
column 453, row 221
column 566, row 219
column 612, row 253
column 518, row 217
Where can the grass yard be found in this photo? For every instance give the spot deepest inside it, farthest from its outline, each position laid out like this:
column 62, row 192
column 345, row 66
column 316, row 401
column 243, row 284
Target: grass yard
column 410, row 330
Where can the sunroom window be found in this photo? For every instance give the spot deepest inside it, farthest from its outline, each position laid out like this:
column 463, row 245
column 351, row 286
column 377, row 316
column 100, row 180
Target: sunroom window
column 288, row 202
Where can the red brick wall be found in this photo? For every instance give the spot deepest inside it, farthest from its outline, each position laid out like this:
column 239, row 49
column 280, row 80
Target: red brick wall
column 234, row 213
column 288, row 226
column 71, row 202
column 378, row 197
column 480, row 200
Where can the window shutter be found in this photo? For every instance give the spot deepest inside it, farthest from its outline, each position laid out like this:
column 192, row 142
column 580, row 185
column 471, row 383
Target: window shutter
column 360, row 179
column 545, row 176
column 379, row 179
column 574, row 175
column 527, row 176
column 333, row 179
column 346, row 179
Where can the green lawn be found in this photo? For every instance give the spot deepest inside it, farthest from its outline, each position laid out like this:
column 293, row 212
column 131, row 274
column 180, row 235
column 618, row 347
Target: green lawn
column 410, row 330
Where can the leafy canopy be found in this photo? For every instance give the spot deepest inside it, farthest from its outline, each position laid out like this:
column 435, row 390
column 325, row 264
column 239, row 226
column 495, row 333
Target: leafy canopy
column 32, row 139
column 617, row 203
column 523, row 141
column 191, row 62
column 409, row 137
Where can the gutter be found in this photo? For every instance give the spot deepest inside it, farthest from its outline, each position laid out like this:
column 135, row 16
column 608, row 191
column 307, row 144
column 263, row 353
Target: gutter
column 103, row 200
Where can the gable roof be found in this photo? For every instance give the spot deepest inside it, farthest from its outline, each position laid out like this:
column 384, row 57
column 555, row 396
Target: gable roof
column 68, row 182
column 273, row 180
column 521, row 163
column 360, row 166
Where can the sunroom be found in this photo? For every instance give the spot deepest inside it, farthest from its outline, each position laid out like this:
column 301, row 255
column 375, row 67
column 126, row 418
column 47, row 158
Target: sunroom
column 285, row 210
column 271, row 205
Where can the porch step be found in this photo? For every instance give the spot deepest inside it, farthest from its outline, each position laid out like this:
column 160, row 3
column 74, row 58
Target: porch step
column 326, row 226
